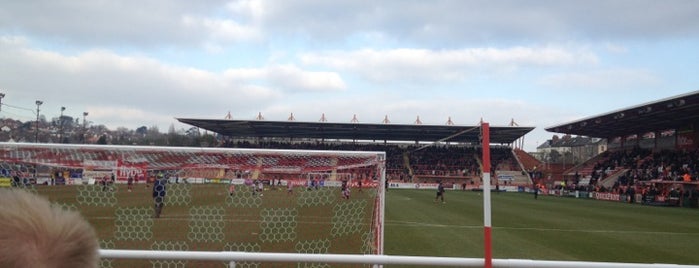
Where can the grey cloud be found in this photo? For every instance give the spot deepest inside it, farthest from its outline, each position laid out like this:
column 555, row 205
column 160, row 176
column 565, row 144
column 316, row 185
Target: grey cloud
column 421, row 65
column 453, row 23
column 105, row 80
column 133, row 84
column 111, row 23
column 434, row 23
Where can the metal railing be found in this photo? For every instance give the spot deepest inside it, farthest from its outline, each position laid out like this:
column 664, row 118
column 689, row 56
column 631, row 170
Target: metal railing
column 234, row 256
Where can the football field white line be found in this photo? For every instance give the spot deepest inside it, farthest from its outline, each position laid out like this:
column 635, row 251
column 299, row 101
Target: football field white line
column 433, row 225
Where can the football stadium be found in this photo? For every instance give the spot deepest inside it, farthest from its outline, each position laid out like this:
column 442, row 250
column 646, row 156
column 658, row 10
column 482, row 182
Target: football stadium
column 322, row 194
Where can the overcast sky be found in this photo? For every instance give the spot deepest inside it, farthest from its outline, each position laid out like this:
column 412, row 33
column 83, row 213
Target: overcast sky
column 541, row 63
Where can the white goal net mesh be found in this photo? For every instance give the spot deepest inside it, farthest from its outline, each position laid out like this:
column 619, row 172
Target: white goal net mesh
column 213, row 199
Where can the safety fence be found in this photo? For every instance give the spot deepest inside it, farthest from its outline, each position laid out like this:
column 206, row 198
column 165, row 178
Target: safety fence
column 233, row 257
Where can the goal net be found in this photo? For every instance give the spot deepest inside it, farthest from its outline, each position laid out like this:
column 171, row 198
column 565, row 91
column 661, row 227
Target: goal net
column 209, row 199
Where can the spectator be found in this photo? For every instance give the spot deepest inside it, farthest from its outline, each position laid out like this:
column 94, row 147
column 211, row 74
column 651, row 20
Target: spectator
column 33, row 233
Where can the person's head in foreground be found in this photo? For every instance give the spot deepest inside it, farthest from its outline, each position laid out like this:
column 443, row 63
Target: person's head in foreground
column 35, row 234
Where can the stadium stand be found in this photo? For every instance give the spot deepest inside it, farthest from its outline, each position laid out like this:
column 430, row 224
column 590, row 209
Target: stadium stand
column 454, row 164
column 444, row 162
column 629, row 166
column 528, row 161
column 652, row 156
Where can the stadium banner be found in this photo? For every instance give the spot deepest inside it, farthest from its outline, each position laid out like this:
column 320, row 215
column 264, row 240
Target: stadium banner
column 297, row 182
column 503, row 176
column 123, row 171
column 411, row 185
column 510, row 176
column 5, row 182
column 509, row 188
column 236, row 181
column 565, row 193
column 217, row 181
column 204, row 173
column 606, row 196
column 47, row 181
column 582, row 194
column 433, row 186
column 658, row 200
column 355, row 184
column 195, row 180
column 294, row 183
column 93, row 176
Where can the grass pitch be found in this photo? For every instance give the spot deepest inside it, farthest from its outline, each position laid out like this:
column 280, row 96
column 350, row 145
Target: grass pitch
column 548, row 228
column 209, row 218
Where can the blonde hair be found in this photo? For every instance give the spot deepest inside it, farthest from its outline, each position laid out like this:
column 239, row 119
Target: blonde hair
column 33, row 233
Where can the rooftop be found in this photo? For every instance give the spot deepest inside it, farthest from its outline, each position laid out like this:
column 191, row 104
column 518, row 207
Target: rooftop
column 676, row 112
column 356, row 131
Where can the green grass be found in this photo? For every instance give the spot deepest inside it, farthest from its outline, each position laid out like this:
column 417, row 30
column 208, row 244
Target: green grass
column 549, row 228
column 206, row 218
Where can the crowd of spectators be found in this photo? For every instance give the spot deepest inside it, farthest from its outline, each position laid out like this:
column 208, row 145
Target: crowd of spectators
column 668, row 165
column 411, row 163
column 643, row 165
column 644, row 172
column 502, row 159
column 394, row 154
column 612, row 162
column 444, row 161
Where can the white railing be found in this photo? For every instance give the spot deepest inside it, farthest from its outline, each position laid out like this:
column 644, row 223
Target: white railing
column 235, row 256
